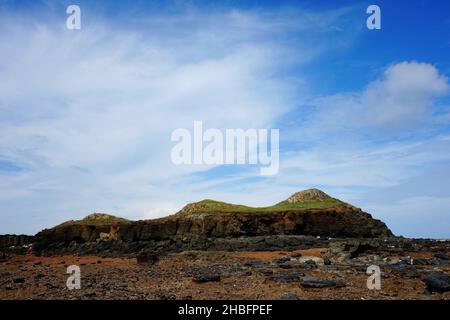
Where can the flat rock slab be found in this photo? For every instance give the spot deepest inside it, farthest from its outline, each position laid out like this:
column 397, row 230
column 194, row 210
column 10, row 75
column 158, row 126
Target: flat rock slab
column 255, row 263
column 289, row 296
column 286, row 277
column 146, row 258
column 438, row 282
column 265, row 271
column 205, row 276
column 313, row 282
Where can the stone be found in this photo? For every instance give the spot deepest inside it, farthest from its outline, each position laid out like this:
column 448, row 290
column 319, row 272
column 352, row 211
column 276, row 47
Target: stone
column 287, row 265
column 315, row 260
column 254, row 263
column 238, row 272
column 90, row 294
column 313, row 282
column 289, row 296
column 19, row 280
column 442, row 256
column 147, row 258
column 265, row 271
column 420, row 262
column 3, row 257
column 281, row 261
column 438, row 282
column 205, row 275
column 286, row 277
column 351, row 247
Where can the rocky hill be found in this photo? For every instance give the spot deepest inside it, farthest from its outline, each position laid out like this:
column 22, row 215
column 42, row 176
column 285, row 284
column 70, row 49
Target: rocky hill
column 208, row 222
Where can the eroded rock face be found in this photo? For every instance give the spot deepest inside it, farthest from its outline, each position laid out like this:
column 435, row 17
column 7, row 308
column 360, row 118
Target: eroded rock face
column 310, row 194
column 342, row 222
column 12, row 240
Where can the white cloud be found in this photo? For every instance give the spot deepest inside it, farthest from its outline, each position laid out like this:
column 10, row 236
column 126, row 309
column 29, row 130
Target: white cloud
column 404, row 96
column 88, row 114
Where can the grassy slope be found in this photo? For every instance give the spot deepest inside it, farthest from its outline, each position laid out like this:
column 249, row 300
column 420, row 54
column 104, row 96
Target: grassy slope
column 212, row 206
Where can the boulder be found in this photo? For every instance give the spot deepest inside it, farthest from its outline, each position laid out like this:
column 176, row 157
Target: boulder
column 147, row 258
column 313, row 282
column 438, row 282
column 205, row 275
column 289, row 296
column 286, row 277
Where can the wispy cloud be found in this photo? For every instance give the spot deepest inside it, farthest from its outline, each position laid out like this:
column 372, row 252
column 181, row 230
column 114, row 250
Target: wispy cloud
column 87, row 115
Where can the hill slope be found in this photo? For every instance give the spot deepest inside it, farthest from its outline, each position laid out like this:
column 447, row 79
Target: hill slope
column 307, row 199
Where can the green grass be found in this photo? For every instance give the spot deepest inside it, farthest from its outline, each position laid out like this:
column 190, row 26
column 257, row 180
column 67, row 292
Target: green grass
column 311, row 204
column 212, row 206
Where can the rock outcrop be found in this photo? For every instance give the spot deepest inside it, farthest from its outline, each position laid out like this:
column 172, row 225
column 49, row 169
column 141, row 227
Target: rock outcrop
column 13, row 240
column 308, row 195
column 307, row 213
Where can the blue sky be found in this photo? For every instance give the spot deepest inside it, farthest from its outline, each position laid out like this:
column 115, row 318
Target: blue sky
column 86, row 115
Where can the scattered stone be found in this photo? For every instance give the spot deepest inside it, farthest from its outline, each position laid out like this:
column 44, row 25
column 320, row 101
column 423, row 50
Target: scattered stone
column 296, row 254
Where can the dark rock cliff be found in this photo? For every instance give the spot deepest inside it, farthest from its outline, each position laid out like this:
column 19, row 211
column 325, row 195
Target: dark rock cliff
column 12, row 240
column 228, row 222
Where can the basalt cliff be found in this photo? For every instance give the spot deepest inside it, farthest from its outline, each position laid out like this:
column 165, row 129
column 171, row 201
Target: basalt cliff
column 306, row 216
